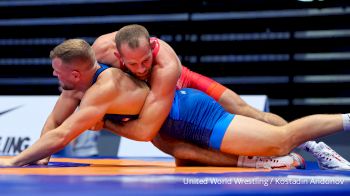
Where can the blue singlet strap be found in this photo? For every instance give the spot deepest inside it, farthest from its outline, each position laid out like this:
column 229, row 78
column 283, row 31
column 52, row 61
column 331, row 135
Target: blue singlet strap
column 100, row 70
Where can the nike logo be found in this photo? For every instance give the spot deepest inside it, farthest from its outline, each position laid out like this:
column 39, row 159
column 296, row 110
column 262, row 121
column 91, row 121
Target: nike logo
column 9, row 110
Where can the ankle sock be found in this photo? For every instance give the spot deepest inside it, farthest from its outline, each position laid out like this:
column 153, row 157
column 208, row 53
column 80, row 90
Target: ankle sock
column 308, row 146
column 346, row 122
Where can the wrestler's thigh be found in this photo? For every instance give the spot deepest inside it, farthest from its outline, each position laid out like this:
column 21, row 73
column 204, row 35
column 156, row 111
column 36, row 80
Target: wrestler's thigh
column 250, row 137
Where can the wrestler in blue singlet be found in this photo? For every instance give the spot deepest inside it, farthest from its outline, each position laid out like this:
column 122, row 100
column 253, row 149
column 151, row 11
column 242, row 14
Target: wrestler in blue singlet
column 194, row 117
column 197, row 118
column 116, row 118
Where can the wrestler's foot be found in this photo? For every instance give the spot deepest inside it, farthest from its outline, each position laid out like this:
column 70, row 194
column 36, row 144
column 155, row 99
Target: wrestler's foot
column 290, row 161
column 327, row 158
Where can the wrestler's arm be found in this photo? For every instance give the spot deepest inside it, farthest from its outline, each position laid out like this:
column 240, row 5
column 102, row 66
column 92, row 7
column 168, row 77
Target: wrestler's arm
column 104, row 47
column 66, row 104
column 158, row 102
column 154, row 112
column 92, row 110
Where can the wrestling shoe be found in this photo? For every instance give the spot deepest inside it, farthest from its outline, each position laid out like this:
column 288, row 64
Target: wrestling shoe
column 290, row 161
column 327, row 158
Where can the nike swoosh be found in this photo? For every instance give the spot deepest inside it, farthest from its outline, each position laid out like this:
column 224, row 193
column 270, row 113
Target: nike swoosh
column 9, row 110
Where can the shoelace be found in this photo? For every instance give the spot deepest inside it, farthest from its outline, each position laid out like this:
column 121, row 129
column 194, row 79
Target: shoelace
column 327, row 163
column 326, row 156
column 340, row 158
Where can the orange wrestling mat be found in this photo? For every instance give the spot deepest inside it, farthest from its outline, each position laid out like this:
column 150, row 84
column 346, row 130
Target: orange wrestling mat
column 116, row 167
column 159, row 176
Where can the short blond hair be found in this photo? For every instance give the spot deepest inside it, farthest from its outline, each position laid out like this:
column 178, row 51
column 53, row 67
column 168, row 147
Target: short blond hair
column 130, row 34
column 74, row 49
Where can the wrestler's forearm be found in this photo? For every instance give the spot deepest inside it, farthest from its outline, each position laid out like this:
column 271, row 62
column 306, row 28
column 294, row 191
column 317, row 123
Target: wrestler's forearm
column 158, row 103
column 267, row 117
column 49, row 125
column 124, row 131
column 153, row 114
column 44, row 147
column 47, row 128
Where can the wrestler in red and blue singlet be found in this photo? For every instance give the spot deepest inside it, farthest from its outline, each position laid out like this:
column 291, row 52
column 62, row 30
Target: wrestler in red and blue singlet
column 188, row 78
column 194, row 117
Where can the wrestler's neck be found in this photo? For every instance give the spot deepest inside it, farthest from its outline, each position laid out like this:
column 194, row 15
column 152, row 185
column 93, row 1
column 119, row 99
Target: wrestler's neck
column 86, row 79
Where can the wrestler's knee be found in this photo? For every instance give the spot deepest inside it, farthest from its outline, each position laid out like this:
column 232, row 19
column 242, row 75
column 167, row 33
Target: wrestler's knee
column 183, row 151
column 164, row 144
column 282, row 143
column 280, row 150
column 174, row 147
column 183, row 162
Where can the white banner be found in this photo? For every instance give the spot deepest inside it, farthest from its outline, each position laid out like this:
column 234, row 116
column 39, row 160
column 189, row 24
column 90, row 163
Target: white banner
column 22, row 118
column 21, row 121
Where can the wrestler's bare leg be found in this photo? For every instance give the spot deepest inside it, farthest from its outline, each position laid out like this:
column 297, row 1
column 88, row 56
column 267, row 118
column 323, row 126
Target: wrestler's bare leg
column 269, row 140
column 187, row 154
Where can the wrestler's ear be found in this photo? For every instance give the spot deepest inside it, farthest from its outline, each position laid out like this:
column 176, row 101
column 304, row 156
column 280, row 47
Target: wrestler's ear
column 76, row 75
column 152, row 44
column 116, row 53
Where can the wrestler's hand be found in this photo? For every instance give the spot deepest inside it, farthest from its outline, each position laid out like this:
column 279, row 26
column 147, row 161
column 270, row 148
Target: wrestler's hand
column 98, row 126
column 44, row 161
column 6, row 162
column 110, row 125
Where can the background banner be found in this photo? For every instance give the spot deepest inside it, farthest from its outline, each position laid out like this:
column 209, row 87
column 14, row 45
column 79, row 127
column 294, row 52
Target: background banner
column 21, row 121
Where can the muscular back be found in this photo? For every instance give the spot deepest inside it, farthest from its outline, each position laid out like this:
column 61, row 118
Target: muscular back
column 129, row 93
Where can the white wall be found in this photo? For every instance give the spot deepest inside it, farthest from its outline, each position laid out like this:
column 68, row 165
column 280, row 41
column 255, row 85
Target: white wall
column 21, row 121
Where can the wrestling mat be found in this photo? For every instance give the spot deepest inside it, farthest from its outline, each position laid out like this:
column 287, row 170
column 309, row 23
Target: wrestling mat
column 159, row 176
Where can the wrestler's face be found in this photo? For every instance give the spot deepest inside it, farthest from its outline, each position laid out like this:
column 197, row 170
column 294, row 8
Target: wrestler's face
column 138, row 60
column 64, row 74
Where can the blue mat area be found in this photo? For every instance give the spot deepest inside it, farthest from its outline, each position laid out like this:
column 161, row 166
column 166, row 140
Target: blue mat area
column 53, row 165
column 277, row 182
column 60, row 164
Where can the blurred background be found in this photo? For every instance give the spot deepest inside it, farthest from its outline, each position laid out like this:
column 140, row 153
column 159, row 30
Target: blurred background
column 297, row 52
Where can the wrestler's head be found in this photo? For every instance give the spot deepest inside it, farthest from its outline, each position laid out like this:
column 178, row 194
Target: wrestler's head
column 69, row 60
column 135, row 50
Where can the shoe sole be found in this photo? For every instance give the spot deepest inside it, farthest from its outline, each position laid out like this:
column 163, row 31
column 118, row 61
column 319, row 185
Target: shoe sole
column 301, row 164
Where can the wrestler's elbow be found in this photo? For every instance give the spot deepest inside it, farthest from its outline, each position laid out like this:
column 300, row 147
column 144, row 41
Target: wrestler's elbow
column 101, row 49
column 147, row 136
column 144, row 138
